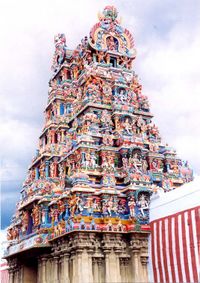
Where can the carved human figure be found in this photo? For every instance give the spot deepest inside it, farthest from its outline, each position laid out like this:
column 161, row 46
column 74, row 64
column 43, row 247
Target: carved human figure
column 157, row 165
column 89, row 205
column 54, row 213
column 174, row 167
column 107, row 139
column 106, row 119
column 53, row 169
column 118, row 126
column 60, row 47
column 167, row 184
column 143, row 204
column 109, row 205
column 125, row 163
column 36, row 215
column 32, row 174
column 61, row 206
column 144, row 166
column 12, row 233
column 75, row 72
column 73, row 204
column 93, row 160
column 154, row 165
column 153, row 131
column 119, row 225
column 140, row 123
column 25, row 221
column 131, row 205
column 127, row 126
column 107, row 94
column 9, row 234
column 111, row 161
column 134, row 163
column 61, row 170
column 42, row 170
column 111, row 44
column 109, row 225
column 101, row 56
column 87, row 161
column 43, row 216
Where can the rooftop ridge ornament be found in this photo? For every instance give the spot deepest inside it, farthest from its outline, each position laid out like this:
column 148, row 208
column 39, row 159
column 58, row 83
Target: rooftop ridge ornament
column 109, row 35
column 109, row 12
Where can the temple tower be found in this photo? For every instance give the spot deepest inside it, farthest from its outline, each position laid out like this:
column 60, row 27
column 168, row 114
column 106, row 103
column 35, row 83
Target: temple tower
column 84, row 212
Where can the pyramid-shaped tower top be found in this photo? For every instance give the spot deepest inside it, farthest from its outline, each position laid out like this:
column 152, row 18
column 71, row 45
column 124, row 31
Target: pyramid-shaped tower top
column 109, row 35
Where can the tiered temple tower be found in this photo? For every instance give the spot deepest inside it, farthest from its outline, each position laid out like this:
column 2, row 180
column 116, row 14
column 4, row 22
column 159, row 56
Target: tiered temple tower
column 84, row 210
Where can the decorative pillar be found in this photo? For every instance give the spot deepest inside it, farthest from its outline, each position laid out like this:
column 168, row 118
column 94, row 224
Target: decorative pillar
column 84, row 267
column 144, row 259
column 55, row 269
column 98, row 275
column 135, row 248
column 111, row 249
column 37, row 152
column 21, row 274
column 37, row 174
column 144, row 262
column 82, row 244
column 95, row 270
column 17, row 274
column 100, row 271
column 53, row 137
column 45, row 215
column 62, row 135
column 11, row 275
column 49, row 271
column 43, row 269
column 47, row 168
column 108, row 272
column 14, row 275
column 124, row 267
column 65, row 268
column 39, row 273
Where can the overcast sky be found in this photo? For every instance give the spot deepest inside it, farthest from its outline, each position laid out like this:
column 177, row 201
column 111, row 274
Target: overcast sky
column 167, row 39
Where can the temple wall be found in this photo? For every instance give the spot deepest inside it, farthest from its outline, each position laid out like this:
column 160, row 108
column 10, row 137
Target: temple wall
column 88, row 257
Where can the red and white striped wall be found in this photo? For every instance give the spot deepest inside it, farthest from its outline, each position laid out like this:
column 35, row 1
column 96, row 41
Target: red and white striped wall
column 4, row 277
column 175, row 236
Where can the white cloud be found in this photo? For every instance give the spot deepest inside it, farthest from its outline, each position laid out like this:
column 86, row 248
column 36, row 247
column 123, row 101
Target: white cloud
column 3, row 243
column 170, row 70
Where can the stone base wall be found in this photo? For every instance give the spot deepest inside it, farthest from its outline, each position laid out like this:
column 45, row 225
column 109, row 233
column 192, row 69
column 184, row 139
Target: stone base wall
column 87, row 258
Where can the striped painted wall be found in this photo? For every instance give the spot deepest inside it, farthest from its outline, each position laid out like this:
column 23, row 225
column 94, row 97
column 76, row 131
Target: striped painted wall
column 175, row 247
column 4, row 277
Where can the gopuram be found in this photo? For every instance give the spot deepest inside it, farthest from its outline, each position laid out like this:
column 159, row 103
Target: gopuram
column 83, row 216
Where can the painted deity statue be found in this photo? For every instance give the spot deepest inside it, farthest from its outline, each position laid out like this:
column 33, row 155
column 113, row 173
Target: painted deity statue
column 25, row 221
column 53, row 169
column 143, row 204
column 60, row 48
column 42, row 170
column 127, row 127
column 131, row 205
column 36, row 215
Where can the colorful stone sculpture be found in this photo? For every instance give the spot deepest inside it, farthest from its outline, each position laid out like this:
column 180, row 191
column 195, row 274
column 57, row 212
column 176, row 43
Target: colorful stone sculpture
column 100, row 156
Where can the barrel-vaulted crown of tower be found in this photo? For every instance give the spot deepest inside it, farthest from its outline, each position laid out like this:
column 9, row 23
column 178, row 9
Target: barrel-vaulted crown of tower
column 100, row 156
column 108, row 35
column 108, row 40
